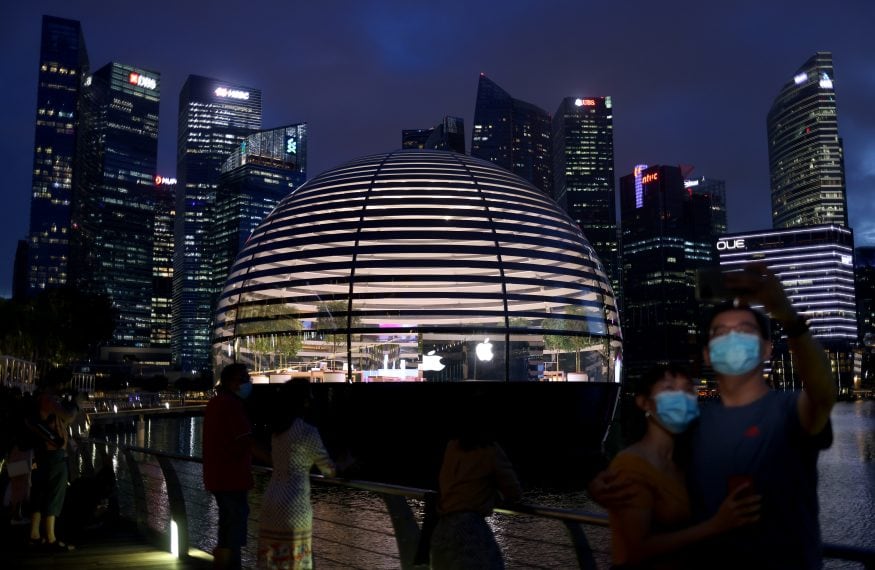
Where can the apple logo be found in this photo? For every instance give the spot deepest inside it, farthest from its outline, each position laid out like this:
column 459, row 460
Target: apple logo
column 432, row 361
column 484, row 350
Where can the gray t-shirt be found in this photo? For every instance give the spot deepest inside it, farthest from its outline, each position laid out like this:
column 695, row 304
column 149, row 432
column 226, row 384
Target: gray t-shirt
column 765, row 441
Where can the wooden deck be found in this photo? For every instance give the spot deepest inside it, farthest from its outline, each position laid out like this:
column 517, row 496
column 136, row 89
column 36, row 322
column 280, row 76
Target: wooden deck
column 120, row 547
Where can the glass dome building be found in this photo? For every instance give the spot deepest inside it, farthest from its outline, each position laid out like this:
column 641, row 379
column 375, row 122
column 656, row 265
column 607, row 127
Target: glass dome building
column 418, row 265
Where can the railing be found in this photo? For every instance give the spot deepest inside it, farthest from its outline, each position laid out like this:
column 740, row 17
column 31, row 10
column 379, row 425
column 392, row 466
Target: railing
column 163, row 493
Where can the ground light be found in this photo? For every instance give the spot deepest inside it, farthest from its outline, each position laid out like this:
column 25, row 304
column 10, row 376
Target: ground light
column 174, row 539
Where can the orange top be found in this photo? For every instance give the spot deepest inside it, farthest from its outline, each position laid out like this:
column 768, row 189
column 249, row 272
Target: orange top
column 655, row 491
column 470, row 480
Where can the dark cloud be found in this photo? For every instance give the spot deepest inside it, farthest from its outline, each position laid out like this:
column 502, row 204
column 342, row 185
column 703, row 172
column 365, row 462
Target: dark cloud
column 692, row 81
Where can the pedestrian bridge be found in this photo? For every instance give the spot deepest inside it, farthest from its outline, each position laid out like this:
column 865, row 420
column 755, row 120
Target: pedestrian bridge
column 163, row 518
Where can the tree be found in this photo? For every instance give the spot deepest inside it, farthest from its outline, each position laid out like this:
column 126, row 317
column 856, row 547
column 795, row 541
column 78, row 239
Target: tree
column 334, row 323
column 275, row 329
column 578, row 337
column 56, row 327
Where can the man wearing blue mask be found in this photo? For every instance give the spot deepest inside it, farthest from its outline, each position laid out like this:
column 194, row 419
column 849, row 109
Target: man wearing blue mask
column 764, row 439
column 228, row 447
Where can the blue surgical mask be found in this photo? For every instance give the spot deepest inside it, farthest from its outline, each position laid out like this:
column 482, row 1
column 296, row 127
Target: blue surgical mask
column 244, row 390
column 675, row 409
column 735, row 354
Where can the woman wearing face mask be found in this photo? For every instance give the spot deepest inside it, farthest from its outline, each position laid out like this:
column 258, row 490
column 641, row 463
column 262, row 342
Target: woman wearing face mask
column 650, row 529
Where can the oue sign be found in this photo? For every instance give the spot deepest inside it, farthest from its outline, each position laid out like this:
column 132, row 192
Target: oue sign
column 727, row 244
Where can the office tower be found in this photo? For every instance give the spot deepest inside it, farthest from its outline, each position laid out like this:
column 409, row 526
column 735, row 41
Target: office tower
column 806, row 159
column 19, row 271
column 113, row 207
column 815, row 265
column 667, row 235
column 264, row 169
column 864, row 277
column 512, row 134
column 583, row 173
column 63, row 66
column 714, row 193
column 448, row 135
column 214, row 118
column 162, row 261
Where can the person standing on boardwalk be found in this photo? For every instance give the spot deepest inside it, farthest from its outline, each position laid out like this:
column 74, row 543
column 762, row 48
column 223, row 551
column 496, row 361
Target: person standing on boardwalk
column 754, row 436
column 228, row 446
column 52, row 416
column 474, row 475
column 285, row 526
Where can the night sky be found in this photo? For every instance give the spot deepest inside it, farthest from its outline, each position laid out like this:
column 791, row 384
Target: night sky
column 691, row 81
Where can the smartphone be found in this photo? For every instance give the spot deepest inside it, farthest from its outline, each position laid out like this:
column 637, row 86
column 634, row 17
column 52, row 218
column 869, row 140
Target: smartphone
column 711, row 285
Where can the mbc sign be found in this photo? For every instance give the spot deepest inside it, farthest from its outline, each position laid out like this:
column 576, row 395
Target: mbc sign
column 726, row 244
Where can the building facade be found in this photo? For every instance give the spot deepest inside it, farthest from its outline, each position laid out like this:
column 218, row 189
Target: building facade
column 513, row 134
column 114, row 206
column 667, row 234
column 264, row 169
column 806, row 158
column 63, row 67
column 816, row 266
column 448, row 135
column 215, row 117
column 162, row 262
column 583, row 173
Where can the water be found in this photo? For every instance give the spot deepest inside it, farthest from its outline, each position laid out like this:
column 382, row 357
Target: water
column 344, row 517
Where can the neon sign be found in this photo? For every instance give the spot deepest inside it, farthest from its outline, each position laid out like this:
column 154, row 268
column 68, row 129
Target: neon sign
column 584, row 102
column 291, row 146
column 164, row 181
column 141, row 80
column 232, row 93
column 725, row 244
column 639, row 188
column 648, row 178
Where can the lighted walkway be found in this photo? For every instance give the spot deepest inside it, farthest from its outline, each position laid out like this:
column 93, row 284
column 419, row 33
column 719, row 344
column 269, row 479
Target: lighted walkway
column 119, row 548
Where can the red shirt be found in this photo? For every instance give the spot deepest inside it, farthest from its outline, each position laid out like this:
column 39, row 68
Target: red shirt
column 227, row 448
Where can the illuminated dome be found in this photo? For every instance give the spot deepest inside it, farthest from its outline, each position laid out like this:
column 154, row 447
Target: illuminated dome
column 418, row 265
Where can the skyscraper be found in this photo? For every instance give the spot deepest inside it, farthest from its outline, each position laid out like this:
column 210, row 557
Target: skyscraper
column 815, row 265
column 714, row 193
column 113, row 209
column 448, row 135
column 667, row 235
column 583, row 173
column 63, row 66
column 806, row 159
column 512, row 134
column 265, row 168
column 162, row 261
column 214, row 118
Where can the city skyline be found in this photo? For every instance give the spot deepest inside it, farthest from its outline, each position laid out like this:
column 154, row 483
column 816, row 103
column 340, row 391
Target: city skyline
column 360, row 74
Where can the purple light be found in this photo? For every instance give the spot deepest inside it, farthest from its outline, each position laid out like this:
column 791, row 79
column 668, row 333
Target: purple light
column 639, row 188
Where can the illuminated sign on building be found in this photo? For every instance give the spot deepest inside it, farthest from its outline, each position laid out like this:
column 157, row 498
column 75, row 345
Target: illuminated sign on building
column 584, row 102
column 232, row 93
column 291, row 145
column 725, row 244
column 164, row 181
column 141, row 80
column 648, row 178
column 639, row 187
column 801, row 78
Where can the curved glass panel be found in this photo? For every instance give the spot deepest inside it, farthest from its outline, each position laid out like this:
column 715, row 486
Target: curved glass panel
column 418, row 265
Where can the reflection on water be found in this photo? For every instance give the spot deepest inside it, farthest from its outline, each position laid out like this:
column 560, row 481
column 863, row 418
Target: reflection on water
column 346, row 517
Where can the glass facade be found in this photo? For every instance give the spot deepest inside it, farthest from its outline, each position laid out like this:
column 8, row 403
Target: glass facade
column 114, row 205
column 63, row 66
column 162, row 261
column 806, row 158
column 448, row 135
column 418, row 265
column 513, row 134
column 265, row 168
column 816, row 266
column 583, row 173
column 667, row 234
column 215, row 117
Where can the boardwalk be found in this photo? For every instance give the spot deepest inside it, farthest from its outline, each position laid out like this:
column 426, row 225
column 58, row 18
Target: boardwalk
column 120, row 547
